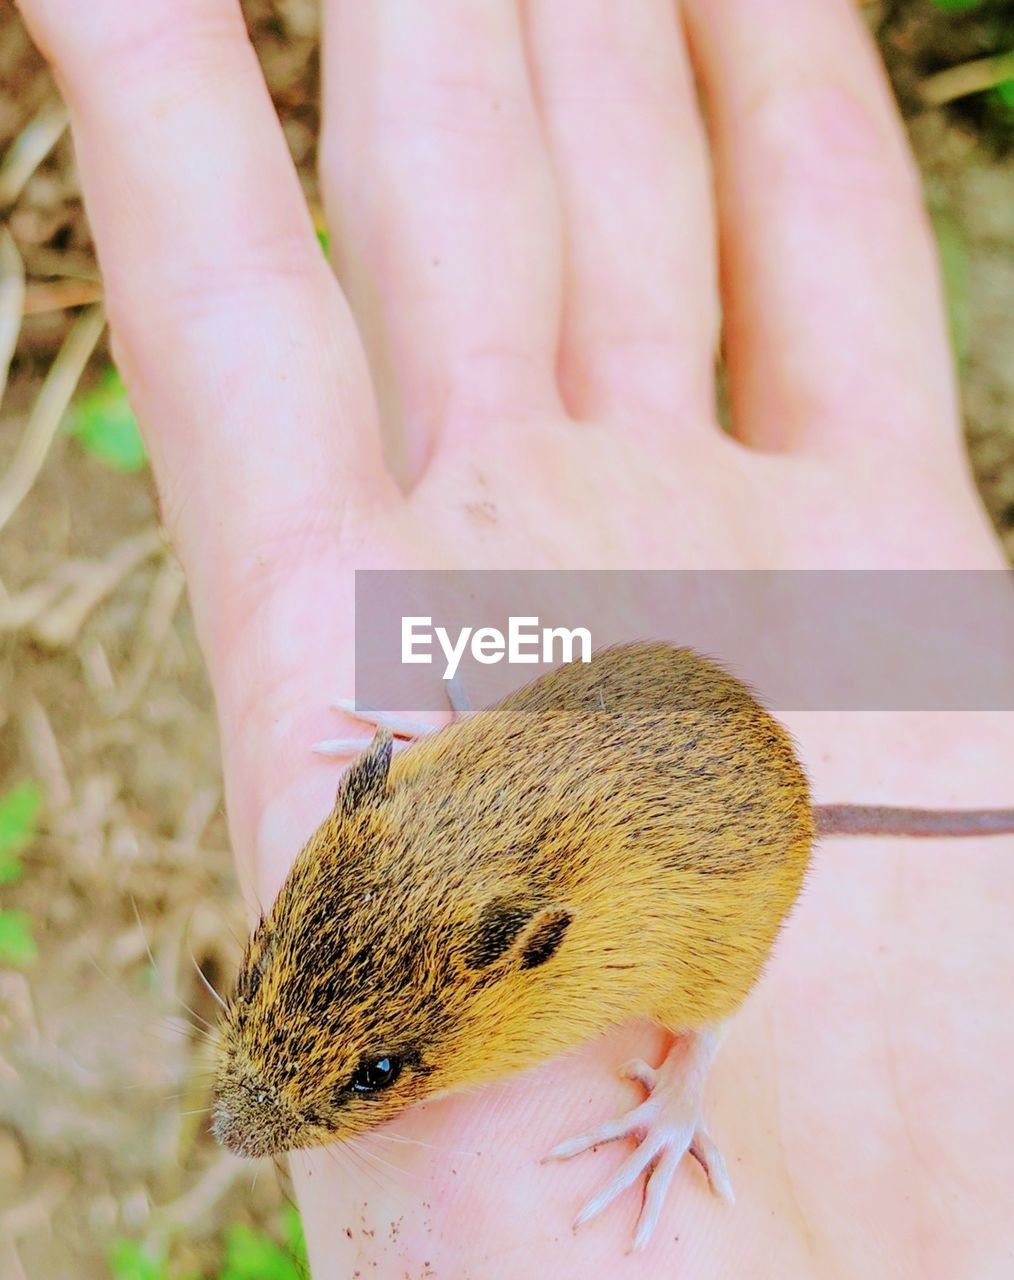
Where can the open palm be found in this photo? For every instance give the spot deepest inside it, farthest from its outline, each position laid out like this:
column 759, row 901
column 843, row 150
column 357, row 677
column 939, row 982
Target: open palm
column 528, row 221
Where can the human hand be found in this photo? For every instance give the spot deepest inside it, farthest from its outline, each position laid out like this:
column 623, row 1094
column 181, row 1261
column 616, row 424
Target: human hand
column 522, row 214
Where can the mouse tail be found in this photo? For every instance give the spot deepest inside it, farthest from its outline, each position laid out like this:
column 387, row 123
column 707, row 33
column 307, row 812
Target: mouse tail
column 889, row 820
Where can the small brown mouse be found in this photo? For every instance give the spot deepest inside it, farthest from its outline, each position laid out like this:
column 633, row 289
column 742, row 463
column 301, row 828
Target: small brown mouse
column 621, row 837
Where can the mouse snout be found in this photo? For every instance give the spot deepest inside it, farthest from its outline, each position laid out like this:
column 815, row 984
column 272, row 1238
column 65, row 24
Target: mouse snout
column 251, row 1120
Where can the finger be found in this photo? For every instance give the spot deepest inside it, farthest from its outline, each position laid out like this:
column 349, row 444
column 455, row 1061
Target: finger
column 711, row 1160
column 833, row 319
column 237, row 347
column 655, row 1192
column 638, row 1162
column 437, row 182
column 640, row 304
column 611, row 1131
column 640, row 1073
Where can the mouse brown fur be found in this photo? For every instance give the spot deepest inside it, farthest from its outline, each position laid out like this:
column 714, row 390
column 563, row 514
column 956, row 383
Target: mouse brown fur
column 619, row 838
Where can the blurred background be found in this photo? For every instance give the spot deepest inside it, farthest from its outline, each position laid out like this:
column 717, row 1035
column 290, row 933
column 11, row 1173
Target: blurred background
column 115, row 874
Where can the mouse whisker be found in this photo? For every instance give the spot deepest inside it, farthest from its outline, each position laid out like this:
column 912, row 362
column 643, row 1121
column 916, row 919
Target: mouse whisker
column 186, row 1030
column 175, row 1031
column 418, row 1142
column 144, row 932
column 208, row 1027
column 151, row 960
column 360, row 1144
column 346, row 1151
column 207, row 984
column 121, row 990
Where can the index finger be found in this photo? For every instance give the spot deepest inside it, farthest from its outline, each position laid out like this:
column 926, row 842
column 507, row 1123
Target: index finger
column 237, row 346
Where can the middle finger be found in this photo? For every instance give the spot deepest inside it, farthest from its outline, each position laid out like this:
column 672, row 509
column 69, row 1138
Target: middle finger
column 640, row 315
column 441, row 194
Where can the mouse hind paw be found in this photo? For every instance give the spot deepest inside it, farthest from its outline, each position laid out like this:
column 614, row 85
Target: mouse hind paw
column 667, row 1125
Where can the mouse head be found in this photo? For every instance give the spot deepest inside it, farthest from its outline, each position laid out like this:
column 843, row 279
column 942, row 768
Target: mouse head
column 385, row 973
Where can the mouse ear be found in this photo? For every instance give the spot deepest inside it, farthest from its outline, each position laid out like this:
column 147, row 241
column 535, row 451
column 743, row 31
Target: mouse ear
column 365, row 782
column 526, row 934
column 541, row 939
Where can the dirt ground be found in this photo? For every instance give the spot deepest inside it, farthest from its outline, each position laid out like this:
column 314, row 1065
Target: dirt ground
column 104, row 701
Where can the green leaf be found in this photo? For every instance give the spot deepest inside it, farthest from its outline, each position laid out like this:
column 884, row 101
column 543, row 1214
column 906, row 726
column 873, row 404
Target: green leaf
column 294, row 1237
column 1005, row 92
column 19, row 814
column 17, row 946
column 324, row 240
column 11, row 867
column 129, row 1260
column 253, row 1255
column 104, row 425
column 957, row 6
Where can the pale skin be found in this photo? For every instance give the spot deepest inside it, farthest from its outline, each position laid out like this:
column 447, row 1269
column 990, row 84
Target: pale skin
column 521, row 204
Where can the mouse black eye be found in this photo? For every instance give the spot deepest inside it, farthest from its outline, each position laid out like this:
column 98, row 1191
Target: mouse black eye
column 374, row 1074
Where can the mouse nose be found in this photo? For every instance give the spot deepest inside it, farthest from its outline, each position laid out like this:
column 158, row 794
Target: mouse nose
column 236, row 1132
column 251, row 1120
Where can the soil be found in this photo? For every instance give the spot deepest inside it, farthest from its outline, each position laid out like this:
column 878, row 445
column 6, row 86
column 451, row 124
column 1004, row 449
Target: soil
column 103, row 696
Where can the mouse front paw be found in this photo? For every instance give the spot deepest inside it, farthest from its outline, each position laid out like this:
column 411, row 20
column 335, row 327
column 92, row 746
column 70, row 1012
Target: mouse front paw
column 666, row 1126
column 403, row 730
